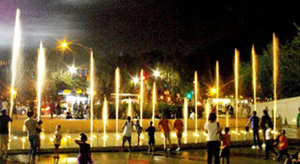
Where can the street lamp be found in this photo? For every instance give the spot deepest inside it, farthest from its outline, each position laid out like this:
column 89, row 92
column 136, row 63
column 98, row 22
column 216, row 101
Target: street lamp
column 72, row 70
column 213, row 90
column 135, row 80
column 156, row 74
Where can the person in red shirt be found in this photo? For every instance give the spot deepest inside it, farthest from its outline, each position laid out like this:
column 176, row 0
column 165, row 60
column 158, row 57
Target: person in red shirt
column 283, row 146
column 164, row 126
column 178, row 126
column 225, row 144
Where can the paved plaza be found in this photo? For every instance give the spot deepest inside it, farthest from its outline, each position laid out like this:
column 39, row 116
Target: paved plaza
column 238, row 156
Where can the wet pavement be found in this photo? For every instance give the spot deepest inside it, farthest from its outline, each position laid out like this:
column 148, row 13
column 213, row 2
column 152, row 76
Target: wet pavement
column 238, row 156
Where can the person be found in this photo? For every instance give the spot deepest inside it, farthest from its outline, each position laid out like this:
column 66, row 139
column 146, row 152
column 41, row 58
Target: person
column 84, row 156
column 39, row 134
column 151, row 138
column 269, row 141
column 164, row 126
column 127, row 131
column 283, row 146
column 4, row 120
column 298, row 118
column 75, row 108
column 15, row 112
column 178, row 127
column 225, row 146
column 32, row 126
column 254, row 121
column 192, row 114
column 69, row 116
column 138, row 130
column 213, row 131
column 5, row 104
column 264, row 120
column 57, row 141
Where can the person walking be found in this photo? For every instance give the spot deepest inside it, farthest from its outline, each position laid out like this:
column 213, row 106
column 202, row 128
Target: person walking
column 151, row 137
column 32, row 127
column 266, row 119
column 254, row 122
column 178, row 127
column 213, row 131
column 269, row 141
column 164, row 126
column 84, row 156
column 127, row 132
column 4, row 120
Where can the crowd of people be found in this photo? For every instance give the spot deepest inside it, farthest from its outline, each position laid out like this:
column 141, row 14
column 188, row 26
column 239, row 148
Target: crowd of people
column 218, row 143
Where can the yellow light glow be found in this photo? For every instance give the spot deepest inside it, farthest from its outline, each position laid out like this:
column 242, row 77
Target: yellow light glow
column 23, row 139
column 72, row 69
column 156, row 73
column 213, row 90
column 117, row 83
column 135, row 80
column 173, row 134
column 64, row 44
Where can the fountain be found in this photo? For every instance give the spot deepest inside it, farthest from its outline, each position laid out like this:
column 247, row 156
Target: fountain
column 254, row 72
column 41, row 69
column 217, row 89
column 117, row 81
column 92, row 90
column 15, row 55
column 141, row 97
column 196, row 103
column 153, row 102
column 275, row 74
column 236, row 77
column 129, row 110
column 207, row 110
column 104, row 117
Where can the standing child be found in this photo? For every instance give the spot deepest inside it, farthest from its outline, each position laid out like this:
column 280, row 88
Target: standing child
column 283, row 146
column 57, row 141
column 269, row 141
column 139, row 130
column 225, row 144
column 151, row 138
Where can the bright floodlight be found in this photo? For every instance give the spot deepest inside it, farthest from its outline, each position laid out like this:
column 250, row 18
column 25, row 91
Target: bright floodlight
column 213, row 90
column 135, row 80
column 64, row 44
column 72, row 69
column 156, row 73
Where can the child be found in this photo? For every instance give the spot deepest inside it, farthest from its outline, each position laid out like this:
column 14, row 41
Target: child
column 151, row 142
column 225, row 152
column 269, row 141
column 84, row 156
column 57, row 141
column 283, row 146
column 138, row 129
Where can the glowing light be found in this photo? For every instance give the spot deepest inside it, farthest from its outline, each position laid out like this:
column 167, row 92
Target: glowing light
column 236, row 77
column 141, row 97
column 275, row 75
column 135, row 80
column 40, row 78
column 213, row 90
column 64, row 44
column 15, row 137
column 117, row 80
column 92, row 91
column 23, row 139
column 42, row 136
column 156, row 73
column 196, row 100
column 196, row 135
column 173, row 134
column 162, row 135
column 72, row 69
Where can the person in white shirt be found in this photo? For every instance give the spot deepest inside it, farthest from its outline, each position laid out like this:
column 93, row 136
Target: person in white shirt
column 213, row 131
column 269, row 141
column 192, row 115
column 127, row 132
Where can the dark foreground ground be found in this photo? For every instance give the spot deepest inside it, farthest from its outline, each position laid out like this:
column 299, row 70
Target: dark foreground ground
column 238, row 156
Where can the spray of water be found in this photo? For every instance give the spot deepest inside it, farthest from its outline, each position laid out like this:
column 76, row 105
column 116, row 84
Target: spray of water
column 92, row 90
column 236, row 77
column 217, row 89
column 117, row 81
column 185, row 115
column 254, row 72
column 129, row 110
column 153, row 101
column 141, row 97
column 196, row 102
column 41, row 69
column 275, row 74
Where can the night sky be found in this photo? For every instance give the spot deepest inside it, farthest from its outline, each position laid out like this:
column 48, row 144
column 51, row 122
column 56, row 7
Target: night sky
column 205, row 28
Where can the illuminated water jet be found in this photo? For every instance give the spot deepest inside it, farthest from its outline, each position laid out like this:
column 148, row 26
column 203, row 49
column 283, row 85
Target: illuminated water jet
column 153, row 101
column 129, row 110
column 196, row 102
column 117, row 81
column 16, row 50
column 254, row 75
column 104, row 117
column 275, row 75
column 141, row 97
column 236, row 79
column 40, row 78
column 217, row 89
column 92, row 90
column 185, row 116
